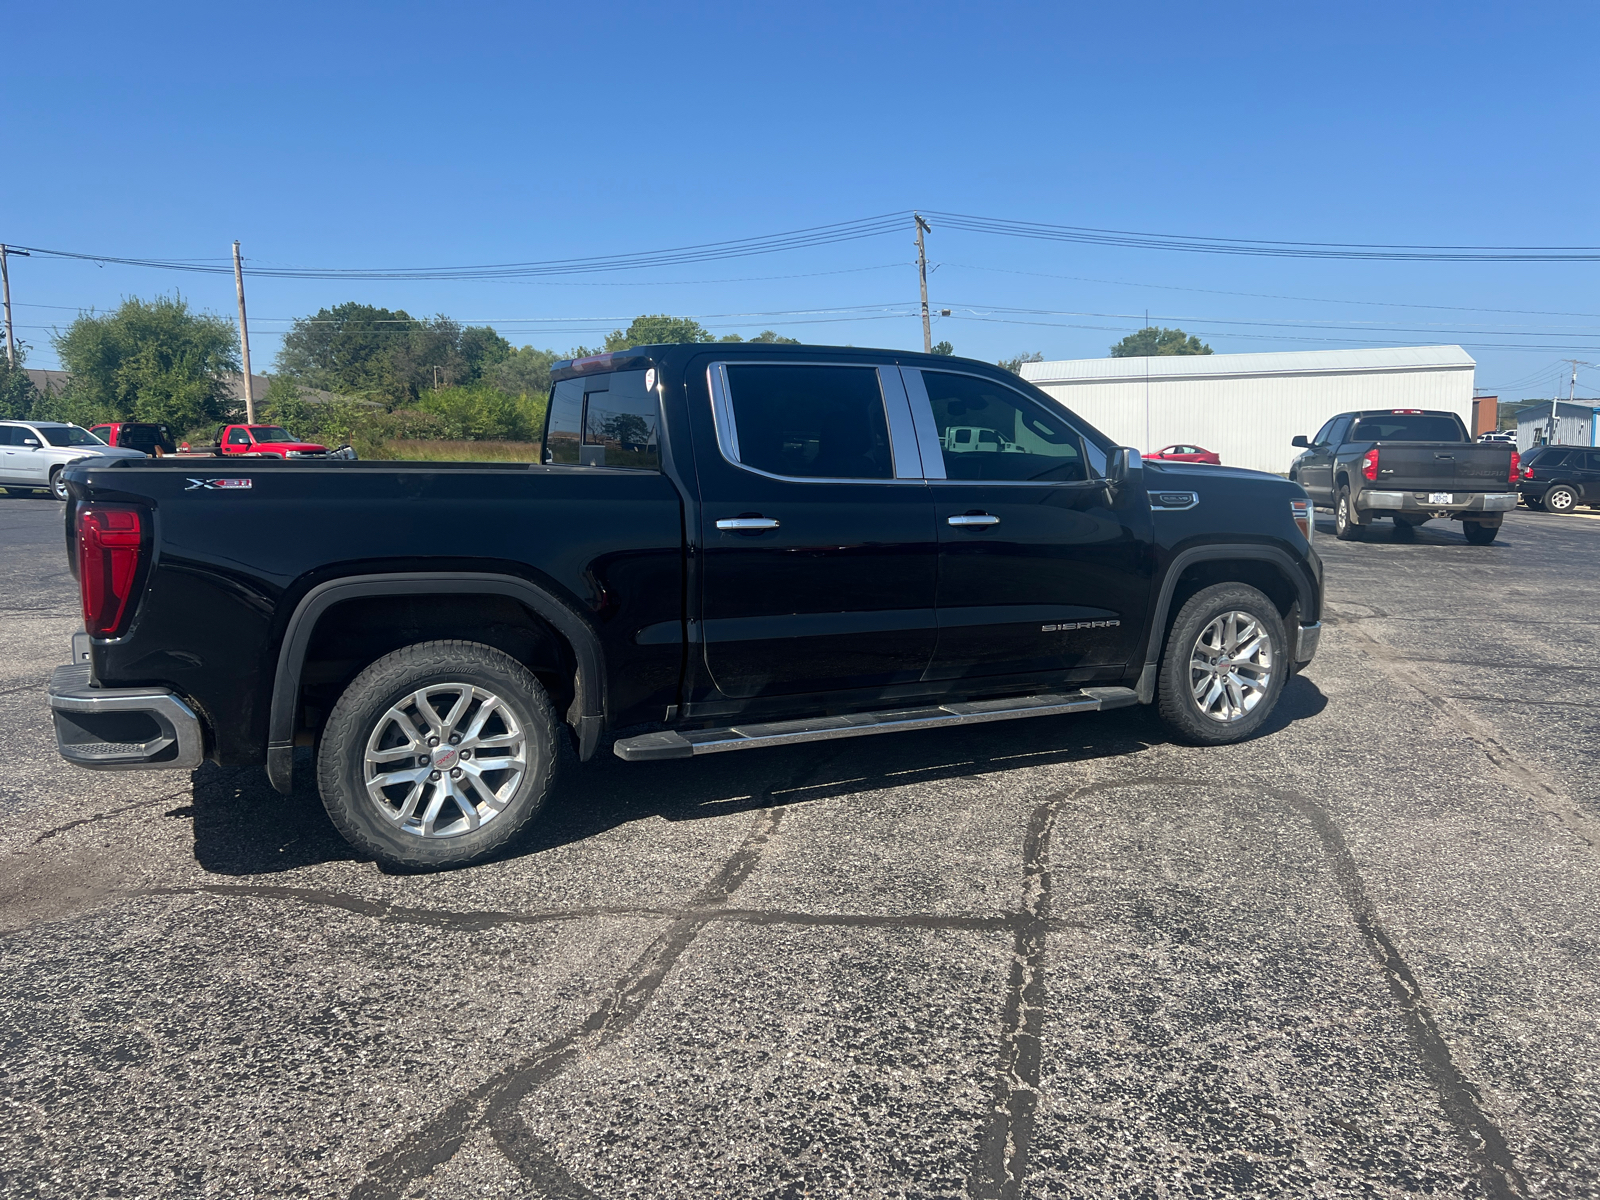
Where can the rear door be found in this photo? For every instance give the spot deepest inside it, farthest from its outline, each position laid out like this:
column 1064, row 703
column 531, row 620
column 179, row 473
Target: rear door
column 1588, row 474
column 819, row 555
column 1038, row 575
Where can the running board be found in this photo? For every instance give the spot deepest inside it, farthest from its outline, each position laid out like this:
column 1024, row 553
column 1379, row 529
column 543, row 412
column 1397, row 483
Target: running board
column 670, row 743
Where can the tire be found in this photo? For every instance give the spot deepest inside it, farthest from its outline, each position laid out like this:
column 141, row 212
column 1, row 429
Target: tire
column 421, row 820
column 1404, row 531
column 1561, row 499
column 58, row 485
column 1478, row 533
column 1535, row 505
column 1204, row 626
column 1344, row 528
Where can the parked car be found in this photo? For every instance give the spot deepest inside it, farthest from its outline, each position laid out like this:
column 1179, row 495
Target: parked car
column 147, row 437
column 1408, row 464
column 258, row 441
column 1499, row 435
column 728, row 547
column 1194, row 454
column 1560, row 478
column 34, row 453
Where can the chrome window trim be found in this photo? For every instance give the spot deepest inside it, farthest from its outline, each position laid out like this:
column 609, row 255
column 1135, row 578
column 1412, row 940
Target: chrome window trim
column 932, row 451
column 902, row 444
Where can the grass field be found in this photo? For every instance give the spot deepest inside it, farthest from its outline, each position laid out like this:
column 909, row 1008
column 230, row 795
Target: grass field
column 439, row 451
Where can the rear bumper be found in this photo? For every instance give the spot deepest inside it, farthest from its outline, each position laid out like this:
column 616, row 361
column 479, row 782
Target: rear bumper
column 122, row 729
column 1305, row 647
column 1372, row 501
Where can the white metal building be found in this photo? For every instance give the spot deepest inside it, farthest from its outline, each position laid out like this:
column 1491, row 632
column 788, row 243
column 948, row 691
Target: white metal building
column 1577, row 424
column 1248, row 407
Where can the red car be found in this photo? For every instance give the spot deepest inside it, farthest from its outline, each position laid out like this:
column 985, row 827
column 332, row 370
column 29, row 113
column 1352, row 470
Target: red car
column 258, row 440
column 1196, row 454
column 148, row 437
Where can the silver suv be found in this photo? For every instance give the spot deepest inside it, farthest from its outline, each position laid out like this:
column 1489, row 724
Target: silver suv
column 34, row 453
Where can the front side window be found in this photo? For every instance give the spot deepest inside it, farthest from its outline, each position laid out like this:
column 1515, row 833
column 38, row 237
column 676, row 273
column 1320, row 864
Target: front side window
column 811, row 422
column 607, row 420
column 989, row 432
column 69, row 435
column 238, row 437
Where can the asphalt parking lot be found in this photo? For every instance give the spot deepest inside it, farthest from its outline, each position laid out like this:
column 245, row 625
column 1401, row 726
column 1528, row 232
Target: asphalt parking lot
column 1055, row 957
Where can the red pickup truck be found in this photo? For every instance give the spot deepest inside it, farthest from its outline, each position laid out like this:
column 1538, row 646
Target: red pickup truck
column 255, row 441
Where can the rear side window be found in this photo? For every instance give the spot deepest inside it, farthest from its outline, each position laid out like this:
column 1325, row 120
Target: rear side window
column 606, row 420
column 989, row 432
column 1400, row 427
column 8, row 436
column 811, row 422
column 1553, row 458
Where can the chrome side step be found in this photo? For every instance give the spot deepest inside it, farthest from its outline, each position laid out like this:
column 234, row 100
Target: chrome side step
column 671, row 743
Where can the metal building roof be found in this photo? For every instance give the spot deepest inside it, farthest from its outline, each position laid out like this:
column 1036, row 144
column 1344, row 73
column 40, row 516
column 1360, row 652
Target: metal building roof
column 1291, row 362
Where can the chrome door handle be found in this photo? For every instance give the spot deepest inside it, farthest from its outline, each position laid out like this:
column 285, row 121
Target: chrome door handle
column 974, row 519
column 747, row 523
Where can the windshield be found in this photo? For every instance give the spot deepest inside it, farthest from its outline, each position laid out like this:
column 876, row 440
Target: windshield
column 1401, row 427
column 69, row 435
column 271, row 433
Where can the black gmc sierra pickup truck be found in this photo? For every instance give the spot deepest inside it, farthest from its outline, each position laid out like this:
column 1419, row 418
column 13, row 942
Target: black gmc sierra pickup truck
column 1407, row 464
column 726, row 547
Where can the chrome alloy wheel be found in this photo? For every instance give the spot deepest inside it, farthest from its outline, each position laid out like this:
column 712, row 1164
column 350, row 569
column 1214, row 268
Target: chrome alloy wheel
column 445, row 760
column 1230, row 667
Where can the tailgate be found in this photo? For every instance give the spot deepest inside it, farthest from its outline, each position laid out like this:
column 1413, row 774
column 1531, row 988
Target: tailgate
column 1444, row 466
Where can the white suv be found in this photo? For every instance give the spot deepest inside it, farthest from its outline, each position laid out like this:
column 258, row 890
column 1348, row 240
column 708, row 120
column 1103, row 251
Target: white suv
column 34, row 453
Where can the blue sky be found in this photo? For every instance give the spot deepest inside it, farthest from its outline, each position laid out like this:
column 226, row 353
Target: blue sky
column 337, row 135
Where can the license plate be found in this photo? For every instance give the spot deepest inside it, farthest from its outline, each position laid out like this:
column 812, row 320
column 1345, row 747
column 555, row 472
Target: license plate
column 1441, row 497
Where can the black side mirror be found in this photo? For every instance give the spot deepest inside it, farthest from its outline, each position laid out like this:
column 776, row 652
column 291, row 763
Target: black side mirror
column 1123, row 467
column 1301, row 441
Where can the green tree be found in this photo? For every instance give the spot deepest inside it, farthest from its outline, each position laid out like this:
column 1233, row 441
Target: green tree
column 1014, row 365
column 1152, row 341
column 16, row 389
column 150, row 361
column 349, row 348
column 943, row 348
column 655, row 331
column 768, row 335
column 524, row 372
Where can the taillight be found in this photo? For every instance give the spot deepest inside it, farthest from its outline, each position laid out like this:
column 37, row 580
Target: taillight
column 1300, row 510
column 1516, row 466
column 1369, row 465
column 109, row 543
column 1527, row 472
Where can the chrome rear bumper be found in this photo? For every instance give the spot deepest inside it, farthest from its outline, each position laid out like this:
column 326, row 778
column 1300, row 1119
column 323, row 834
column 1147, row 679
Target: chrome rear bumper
column 122, row 729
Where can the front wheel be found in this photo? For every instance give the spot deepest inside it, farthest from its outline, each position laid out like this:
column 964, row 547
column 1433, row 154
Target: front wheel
column 438, row 755
column 1561, row 499
column 1344, row 525
column 58, row 485
column 1224, row 666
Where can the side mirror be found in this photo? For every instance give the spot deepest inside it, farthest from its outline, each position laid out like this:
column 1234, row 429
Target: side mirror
column 33, row 442
column 1120, row 467
column 1301, row 441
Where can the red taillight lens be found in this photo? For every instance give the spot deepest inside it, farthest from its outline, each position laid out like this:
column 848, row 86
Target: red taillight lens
column 109, row 542
column 1516, row 466
column 1369, row 465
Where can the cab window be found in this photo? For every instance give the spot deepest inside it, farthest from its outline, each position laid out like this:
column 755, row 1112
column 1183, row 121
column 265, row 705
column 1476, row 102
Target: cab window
column 811, row 422
column 238, row 437
column 605, row 420
column 989, row 432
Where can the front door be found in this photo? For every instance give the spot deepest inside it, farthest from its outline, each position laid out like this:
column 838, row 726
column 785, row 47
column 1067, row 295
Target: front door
column 818, row 554
column 1038, row 574
column 1315, row 472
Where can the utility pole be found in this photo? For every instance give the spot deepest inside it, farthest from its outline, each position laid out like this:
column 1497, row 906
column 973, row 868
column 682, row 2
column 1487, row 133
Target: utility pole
column 244, row 338
column 1572, row 395
column 922, row 274
column 5, row 282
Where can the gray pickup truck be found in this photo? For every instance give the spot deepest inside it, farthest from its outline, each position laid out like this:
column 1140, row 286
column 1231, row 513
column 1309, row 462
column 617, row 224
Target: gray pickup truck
column 1408, row 464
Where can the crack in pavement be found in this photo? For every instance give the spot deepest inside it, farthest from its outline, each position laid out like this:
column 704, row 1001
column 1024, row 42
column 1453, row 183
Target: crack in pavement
column 105, row 816
column 389, row 1176
column 1460, row 1098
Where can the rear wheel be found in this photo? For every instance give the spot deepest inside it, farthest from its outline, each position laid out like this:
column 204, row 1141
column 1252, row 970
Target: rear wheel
column 1404, row 530
column 1478, row 533
column 58, row 485
column 1561, row 499
column 1224, row 667
column 438, row 755
column 1535, row 505
column 1344, row 525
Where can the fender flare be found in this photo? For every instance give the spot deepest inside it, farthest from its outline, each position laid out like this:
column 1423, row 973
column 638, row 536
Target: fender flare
column 1169, row 585
column 586, row 715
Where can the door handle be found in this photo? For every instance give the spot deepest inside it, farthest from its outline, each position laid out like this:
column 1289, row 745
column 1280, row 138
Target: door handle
column 746, row 523
column 973, row 519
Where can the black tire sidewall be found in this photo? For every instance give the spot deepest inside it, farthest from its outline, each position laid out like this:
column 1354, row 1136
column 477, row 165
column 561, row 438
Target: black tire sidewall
column 1344, row 526
column 341, row 752
column 57, row 487
column 1561, row 508
column 1175, row 700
